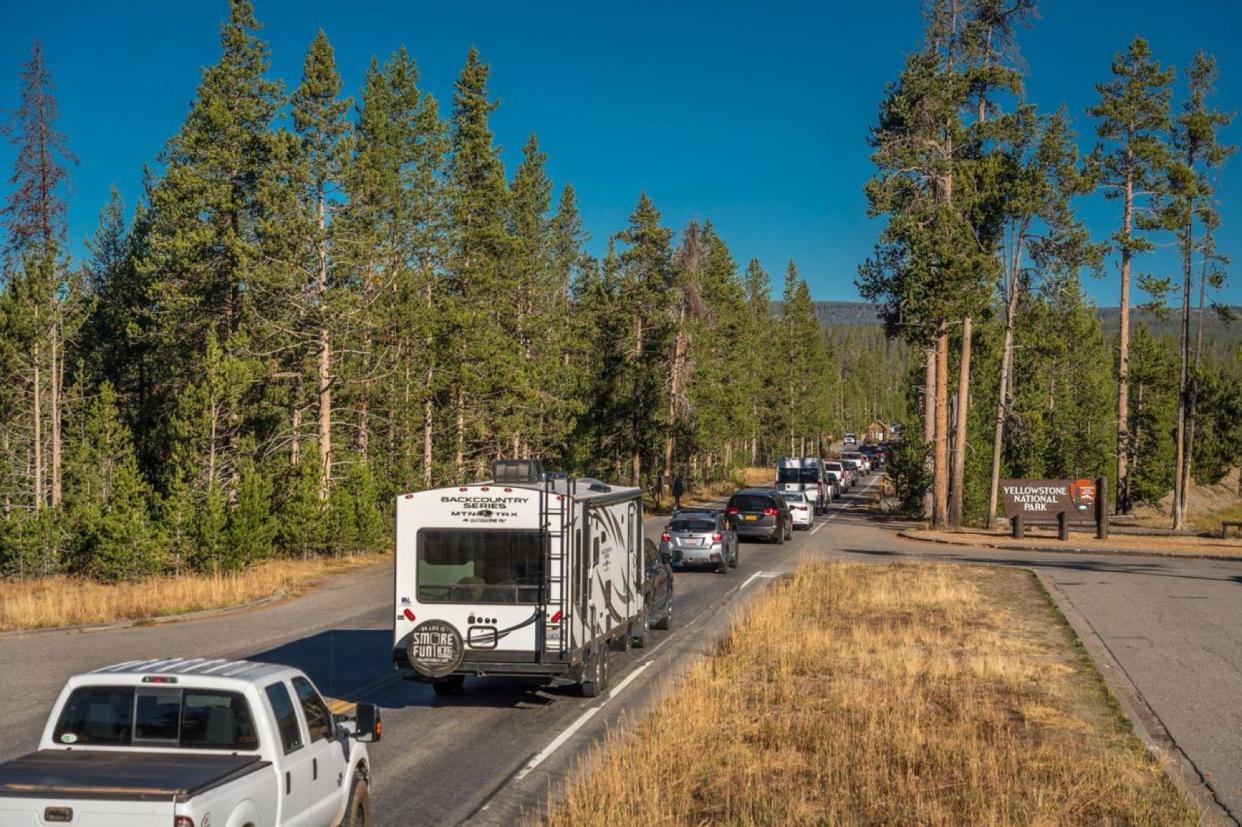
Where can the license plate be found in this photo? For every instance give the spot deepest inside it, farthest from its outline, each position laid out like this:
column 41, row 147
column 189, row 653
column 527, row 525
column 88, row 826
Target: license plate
column 750, row 518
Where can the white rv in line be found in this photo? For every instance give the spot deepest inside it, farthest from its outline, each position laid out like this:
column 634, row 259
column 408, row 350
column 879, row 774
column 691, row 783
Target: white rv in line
column 528, row 574
column 808, row 475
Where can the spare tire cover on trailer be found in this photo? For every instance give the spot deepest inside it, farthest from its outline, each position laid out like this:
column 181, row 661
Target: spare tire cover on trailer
column 435, row 648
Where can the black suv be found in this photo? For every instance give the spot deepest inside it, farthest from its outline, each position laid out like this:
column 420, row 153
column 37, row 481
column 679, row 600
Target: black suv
column 760, row 513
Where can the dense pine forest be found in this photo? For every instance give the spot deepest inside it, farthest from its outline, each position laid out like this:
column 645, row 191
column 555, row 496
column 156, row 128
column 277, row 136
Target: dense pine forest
column 980, row 262
column 321, row 301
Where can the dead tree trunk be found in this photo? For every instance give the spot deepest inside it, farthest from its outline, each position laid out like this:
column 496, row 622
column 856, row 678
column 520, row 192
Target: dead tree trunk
column 929, row 420
column 940, row 454
column 1123, row 360
column 959, row 446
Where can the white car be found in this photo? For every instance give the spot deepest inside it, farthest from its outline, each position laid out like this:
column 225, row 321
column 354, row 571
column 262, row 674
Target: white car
column 850, row 439
column 863, row 460
column 802, row 509
column 193, row 742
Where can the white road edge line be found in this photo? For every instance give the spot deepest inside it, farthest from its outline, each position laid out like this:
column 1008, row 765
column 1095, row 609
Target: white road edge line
column 556, row 743
column 578, row 723
column 628, row 678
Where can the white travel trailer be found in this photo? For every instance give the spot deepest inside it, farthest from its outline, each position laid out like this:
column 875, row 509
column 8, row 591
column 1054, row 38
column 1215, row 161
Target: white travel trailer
column 529, row 574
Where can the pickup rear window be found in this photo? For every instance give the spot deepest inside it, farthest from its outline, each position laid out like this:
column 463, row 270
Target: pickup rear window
column 124, row 716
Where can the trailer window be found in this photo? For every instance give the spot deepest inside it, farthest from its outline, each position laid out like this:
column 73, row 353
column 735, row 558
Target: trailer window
column 479, row 566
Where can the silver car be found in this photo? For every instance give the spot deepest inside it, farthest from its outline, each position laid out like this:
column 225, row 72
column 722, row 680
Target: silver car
column 700, row 538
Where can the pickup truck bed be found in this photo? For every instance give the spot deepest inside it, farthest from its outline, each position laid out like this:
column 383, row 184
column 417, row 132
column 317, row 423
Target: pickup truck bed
column 141, row 776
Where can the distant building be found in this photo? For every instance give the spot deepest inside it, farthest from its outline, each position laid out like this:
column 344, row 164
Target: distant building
column 877, row 431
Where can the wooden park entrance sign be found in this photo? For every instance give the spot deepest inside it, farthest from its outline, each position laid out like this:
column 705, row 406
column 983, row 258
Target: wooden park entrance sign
column 1057, row 502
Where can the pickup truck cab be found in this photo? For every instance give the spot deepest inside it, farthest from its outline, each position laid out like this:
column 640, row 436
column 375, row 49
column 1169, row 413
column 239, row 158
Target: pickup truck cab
column 193, row 743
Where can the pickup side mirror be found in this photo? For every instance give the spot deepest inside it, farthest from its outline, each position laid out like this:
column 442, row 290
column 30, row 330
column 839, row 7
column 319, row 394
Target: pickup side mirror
column 369, row 727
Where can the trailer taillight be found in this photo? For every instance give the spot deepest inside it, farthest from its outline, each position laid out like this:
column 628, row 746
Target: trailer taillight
column 183, row 821
column 409, row 615
column 556, row 618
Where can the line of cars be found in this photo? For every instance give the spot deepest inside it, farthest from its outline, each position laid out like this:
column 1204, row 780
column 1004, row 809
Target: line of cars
column 803, row 489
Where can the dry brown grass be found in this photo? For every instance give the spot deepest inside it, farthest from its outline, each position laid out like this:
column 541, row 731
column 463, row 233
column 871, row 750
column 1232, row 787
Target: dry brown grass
column 1212, row 520
column 759, row 475
column 905, row 694
column 71, row 601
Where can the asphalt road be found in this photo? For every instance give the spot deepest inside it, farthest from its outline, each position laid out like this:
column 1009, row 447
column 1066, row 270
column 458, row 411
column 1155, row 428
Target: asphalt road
column 1174, row 628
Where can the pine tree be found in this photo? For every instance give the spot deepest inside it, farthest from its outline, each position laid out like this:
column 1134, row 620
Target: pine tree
column 534, row 301
column 250, row 527
column 319, row 118
column 929, row 266
column 202, row 247
column 1039, row 177
column 685, row 309
column 481, row 298
column 392, row 236
column 107, row 501
column 1133, row 124
column 1199, row 155
column 33, row 217
column 34, row 212
column 644, row 294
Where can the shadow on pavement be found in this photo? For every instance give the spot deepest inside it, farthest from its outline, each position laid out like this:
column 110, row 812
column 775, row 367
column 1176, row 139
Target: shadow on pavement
column 356, row 665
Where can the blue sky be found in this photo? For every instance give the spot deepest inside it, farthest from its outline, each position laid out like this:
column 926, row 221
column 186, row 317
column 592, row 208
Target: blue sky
column 753, row 115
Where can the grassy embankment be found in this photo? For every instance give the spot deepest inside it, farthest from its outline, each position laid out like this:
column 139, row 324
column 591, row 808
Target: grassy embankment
column 903, row 694
column 73, row 601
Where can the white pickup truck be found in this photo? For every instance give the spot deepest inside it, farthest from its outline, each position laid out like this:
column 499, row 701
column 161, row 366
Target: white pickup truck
column 193, row 743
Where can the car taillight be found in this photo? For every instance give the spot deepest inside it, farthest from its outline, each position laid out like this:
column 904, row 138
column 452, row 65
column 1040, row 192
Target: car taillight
column 717, row 537
column 664, row 537
column 771, row 512
column 731, row 509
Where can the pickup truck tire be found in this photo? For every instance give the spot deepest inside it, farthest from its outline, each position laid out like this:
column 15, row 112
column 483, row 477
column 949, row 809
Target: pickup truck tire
column 358, row 807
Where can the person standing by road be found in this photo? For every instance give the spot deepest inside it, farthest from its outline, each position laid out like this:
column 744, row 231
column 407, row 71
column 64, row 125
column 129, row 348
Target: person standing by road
column 678, row 489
